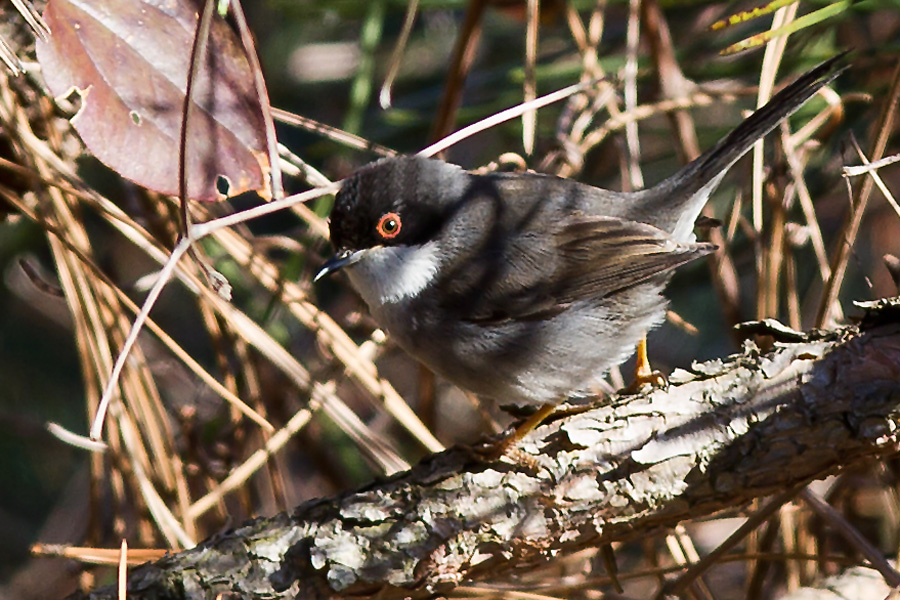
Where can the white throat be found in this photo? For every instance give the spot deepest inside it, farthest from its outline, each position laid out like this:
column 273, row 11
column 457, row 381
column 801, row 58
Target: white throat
column 392, row 274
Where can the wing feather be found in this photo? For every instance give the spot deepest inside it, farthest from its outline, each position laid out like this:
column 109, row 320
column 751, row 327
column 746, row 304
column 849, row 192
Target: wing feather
column 588, row 258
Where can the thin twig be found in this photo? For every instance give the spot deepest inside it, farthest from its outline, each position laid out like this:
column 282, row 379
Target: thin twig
column 529, row 85
column 847, row 238
column 852, row 536
column 754, row 521
column 384, row 96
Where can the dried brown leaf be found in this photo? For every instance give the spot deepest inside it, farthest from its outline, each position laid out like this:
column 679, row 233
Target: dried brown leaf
column 128, row 60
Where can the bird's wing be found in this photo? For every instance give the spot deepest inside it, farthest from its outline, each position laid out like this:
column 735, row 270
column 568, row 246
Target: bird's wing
column 588, row 258
column 601, row 255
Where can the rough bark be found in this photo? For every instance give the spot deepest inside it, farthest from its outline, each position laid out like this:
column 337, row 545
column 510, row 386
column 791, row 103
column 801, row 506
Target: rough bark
column 730, row 431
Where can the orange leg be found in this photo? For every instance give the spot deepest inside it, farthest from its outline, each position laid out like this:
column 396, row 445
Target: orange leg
column 643, row 372
column 524, row 428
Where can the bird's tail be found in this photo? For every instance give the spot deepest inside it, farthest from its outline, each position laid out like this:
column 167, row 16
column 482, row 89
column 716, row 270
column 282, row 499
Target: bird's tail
column 691, row 187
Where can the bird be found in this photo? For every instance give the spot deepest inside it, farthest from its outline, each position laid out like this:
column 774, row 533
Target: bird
column 526, row 288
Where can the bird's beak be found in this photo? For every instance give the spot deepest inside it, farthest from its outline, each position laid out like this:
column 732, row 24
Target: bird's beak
column 338, row 262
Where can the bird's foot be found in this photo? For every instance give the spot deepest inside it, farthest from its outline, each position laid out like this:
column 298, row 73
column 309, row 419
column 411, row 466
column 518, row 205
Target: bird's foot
column 507, row 446
column 644, row 374
column 646, row 379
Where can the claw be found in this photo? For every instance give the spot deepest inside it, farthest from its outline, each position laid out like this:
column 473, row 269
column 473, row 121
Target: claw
column 644, row 374
column 507, row 445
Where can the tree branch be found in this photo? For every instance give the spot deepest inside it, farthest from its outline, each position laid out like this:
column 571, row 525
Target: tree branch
column 731, row 431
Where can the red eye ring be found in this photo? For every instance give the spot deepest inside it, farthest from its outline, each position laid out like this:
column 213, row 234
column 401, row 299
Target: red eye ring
column 389, row 225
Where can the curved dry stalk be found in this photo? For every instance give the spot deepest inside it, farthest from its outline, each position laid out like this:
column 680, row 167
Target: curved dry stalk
column 501, row 117
column 384, row 96
column 529, row 85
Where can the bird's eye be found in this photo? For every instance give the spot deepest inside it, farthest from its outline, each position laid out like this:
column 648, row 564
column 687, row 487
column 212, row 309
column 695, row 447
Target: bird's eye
column 388, row 225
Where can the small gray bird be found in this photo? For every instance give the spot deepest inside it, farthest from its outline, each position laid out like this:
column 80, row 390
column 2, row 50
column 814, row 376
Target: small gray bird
column 527, row 288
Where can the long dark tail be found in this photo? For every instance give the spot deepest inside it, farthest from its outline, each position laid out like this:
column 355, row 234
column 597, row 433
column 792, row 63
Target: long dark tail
column 686, row 192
